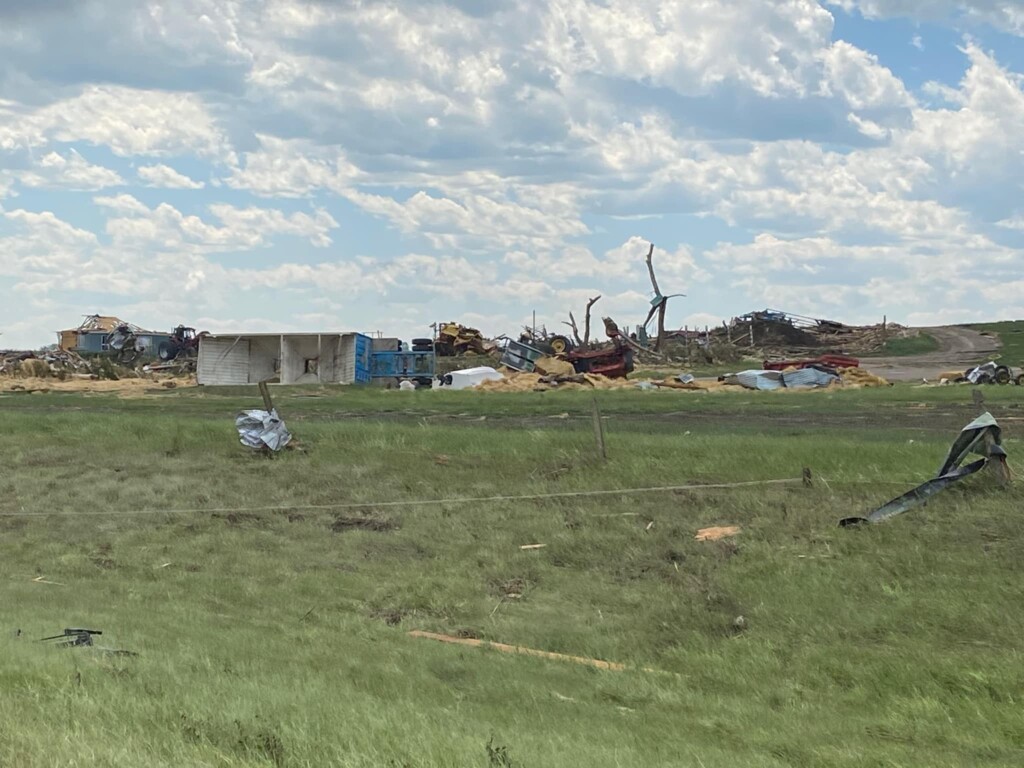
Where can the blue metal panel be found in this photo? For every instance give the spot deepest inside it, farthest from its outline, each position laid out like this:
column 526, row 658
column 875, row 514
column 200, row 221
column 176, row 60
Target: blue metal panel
column 364, row 346
column 400, row 365
column 91, row 342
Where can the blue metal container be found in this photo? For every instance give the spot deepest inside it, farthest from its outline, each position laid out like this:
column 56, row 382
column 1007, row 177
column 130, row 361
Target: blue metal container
column 402, row 365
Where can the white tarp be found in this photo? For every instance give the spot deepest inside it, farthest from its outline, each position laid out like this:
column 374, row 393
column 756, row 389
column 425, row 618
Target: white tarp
column 471, row 377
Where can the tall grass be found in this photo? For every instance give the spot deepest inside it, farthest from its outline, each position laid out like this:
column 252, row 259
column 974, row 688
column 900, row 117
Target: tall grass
column 280, row 637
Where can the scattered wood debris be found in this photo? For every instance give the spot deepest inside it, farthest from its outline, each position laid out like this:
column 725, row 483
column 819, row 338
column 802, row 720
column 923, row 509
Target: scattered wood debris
column 717, row 532
column 505, row 648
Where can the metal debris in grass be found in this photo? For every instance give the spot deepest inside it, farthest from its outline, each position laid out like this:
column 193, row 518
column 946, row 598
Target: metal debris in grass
column 982, row 437
column 78, row 638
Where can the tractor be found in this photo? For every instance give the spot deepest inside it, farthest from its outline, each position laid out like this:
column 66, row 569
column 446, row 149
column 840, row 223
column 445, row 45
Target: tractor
column 184, row 342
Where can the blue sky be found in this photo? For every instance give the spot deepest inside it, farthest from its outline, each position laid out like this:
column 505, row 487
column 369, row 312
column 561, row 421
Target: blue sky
column 328, row 165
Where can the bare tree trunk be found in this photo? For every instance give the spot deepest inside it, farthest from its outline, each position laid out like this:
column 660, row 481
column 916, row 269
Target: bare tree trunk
column 575, row 330
column 650, row 270
column 661, row 306
column 586, row 323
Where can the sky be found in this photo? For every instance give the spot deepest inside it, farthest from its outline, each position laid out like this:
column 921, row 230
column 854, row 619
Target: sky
column 322, row 165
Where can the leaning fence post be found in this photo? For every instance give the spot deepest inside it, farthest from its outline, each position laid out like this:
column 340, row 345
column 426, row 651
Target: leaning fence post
column 268, row 404
column 979, row 400
column 602, row 451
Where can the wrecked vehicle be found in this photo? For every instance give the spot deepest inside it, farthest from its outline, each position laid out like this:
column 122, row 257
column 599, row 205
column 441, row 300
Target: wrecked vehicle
column 992, row 373
column 184, row 342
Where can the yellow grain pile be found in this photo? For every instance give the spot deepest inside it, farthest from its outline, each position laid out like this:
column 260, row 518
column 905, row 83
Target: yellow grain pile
column 859, row 378
column 531, row 382
column 123, row 387
column 552, row 366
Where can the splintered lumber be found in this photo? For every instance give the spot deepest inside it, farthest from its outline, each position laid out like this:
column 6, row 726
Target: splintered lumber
column 505, row 648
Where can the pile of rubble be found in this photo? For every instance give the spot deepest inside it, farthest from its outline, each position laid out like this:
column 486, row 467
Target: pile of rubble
column 65, row 371
column 42, row 364
column 773, row 331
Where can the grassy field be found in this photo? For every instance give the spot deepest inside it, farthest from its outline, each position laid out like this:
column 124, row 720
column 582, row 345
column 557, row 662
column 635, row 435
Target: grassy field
column 1011, row 335
column 920, row 344
column 272, row 625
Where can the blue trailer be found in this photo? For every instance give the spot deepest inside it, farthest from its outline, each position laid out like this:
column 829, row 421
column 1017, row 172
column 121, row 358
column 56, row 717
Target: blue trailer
column 402, row 364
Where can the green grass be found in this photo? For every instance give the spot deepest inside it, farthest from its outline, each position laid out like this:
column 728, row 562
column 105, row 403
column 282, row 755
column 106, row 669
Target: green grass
column 920, row 344
column 279, row 636
column 1011, row 335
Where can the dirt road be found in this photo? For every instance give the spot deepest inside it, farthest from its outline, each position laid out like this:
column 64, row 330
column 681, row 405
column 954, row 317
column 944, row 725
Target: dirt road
column 959, row 348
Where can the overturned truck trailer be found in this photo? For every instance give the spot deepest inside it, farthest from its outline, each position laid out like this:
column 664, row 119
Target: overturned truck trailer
column 293, row 358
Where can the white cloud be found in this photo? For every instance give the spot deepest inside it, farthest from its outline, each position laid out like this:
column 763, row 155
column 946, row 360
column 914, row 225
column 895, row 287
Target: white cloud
column 1014, row 222
column 472, row 221
column 514, row 148
column 689, row 47
column 860, row 80
column 128, row 121
column 1007, row 15
column 293, row 168
column 71, row 172
column 166, row 228
column 163, row 176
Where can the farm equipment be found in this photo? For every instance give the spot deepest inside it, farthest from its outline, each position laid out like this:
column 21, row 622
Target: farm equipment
column 454, row 339
column 184, row 342
column 825, row 361
column 615, row 362
column 549, row 344
column 125, row 344
column 992, row 373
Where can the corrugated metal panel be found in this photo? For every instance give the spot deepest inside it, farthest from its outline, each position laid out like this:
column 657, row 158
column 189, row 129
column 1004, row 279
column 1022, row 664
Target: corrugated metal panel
column 223, row 361
column 759, row 379
column 345, row 370
column 363, row 350
column 808, row 377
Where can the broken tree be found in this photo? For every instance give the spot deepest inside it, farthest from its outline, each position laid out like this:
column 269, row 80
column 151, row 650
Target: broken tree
column 659, row 303
column 583, row 343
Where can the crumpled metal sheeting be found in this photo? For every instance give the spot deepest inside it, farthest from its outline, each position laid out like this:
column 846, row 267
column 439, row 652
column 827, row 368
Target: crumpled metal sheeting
column 770, row 380
column 808, row 377
column 982, row 432
column 259, row 429
column 983, row 437
column 764, row 380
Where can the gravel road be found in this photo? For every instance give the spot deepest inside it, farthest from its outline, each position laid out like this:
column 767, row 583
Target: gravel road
column 959, row 349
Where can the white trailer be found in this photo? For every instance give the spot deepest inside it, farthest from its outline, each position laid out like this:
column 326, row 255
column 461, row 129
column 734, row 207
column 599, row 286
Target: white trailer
column 291, row 358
